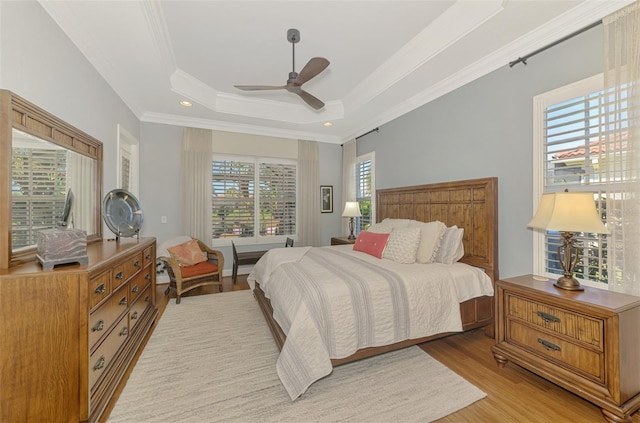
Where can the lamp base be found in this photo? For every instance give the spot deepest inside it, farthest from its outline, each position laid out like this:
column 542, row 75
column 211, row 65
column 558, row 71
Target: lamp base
column 352, row 236
column 570, row 284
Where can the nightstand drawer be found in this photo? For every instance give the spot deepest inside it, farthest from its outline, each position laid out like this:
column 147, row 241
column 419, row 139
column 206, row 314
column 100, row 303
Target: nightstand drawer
column 588, row 362
column 563, row 322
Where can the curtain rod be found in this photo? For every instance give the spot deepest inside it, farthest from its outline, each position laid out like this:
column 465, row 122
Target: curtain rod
column 367, row 133
column 561, row 40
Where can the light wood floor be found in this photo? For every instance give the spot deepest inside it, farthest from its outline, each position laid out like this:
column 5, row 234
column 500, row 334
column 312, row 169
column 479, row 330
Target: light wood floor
column 513, row 394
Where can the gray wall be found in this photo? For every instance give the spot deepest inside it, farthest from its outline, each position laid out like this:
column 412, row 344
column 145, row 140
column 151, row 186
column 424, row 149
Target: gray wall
column 39, row 63
column 485, row 129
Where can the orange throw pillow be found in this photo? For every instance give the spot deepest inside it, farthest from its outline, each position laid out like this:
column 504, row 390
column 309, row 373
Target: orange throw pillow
column 188, row 253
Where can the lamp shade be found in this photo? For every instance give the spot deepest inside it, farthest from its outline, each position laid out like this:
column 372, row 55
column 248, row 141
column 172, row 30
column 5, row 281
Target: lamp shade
column 351, row 209
column 568, row 212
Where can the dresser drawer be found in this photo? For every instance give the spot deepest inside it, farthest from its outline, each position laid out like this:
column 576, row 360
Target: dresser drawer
column 102, row 357
column 99, row 288
column 147, row 257
column 558, row 350
column 132, row 265
column 139, row 283
column 101, row 319
column 575, row 326
column 139, row 307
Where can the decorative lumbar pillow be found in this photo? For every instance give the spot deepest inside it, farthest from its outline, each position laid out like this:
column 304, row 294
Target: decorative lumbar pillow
column 451, row 247
column 402, row 245
column 431, row 234
column 371, row 243
column 188, row 253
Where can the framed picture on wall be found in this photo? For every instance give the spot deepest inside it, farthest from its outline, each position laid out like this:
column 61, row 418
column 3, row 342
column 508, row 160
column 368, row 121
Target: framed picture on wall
column 326, row 197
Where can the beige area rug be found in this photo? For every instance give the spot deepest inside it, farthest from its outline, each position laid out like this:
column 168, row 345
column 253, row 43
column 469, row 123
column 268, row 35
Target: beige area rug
column 212, row 359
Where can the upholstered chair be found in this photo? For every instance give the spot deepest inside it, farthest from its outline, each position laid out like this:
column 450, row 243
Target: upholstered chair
column 184, row 272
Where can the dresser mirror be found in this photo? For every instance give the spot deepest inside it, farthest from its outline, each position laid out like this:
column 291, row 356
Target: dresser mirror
column 45, row 158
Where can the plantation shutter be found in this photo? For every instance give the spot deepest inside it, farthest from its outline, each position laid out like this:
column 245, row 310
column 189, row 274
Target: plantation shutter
column 364, row 193
column 277, row 199
column 574, row 160
column 233, row 198
column 38, row 191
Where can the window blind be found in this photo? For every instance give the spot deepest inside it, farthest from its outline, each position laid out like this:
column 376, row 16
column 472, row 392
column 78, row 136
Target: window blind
column 364, row 192
column 277, row 199
column 38, row 192
column 233, row 198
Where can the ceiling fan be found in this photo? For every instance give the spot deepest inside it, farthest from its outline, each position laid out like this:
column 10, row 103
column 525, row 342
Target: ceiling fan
column 295, row 81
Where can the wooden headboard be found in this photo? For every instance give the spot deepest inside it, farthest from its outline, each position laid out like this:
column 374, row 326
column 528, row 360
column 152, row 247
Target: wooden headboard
column 470, row 204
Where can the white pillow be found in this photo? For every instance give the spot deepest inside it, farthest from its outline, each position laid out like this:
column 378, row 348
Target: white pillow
column 451, row 247
column 380, row 228
column 402, row 245
column 431, row 234
column 396, row 223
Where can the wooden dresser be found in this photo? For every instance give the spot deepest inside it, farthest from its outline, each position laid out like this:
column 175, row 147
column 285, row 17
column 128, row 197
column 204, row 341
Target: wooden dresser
column 69, row 334
column 585, row 341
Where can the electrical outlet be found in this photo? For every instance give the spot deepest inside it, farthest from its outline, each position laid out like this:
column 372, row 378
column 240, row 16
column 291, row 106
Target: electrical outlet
column 163, row 219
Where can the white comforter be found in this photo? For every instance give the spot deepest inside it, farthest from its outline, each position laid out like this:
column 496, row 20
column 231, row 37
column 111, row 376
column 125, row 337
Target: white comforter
column 333, row 301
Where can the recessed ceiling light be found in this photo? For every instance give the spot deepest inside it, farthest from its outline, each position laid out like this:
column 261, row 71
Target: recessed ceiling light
column 327, row 124
column 185, row 103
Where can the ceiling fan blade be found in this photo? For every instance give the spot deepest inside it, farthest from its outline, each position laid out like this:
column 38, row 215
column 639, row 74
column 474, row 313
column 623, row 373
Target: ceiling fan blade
column 311, row 69
column 259, row 87
column 310, row 100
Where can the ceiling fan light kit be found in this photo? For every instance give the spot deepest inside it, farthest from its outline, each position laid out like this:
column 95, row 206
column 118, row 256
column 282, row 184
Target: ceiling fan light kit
column 294, row 84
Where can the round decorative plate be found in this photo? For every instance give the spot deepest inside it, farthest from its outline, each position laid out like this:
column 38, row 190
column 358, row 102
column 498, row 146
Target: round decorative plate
column 122, row 213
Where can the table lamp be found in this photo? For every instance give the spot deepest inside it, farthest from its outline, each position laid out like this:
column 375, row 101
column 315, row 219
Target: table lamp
column 351, row 210
column 567, row 213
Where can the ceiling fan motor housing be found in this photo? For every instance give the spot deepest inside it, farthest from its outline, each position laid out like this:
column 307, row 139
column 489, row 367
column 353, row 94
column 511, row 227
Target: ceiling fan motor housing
column 293, row 35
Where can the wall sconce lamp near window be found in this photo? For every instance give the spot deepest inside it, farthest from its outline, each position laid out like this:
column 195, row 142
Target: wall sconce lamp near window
column 351, row 210
column 568, row 213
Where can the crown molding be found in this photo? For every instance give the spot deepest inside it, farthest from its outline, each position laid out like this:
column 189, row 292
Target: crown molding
column 455, row 23
column 574, row 19
column 159, row 31
column 237, row 127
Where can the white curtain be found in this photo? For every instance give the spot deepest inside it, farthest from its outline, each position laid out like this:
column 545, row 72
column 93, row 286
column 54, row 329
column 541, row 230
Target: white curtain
column 622, row 133
column 197, row 152
column 308, row 225
column 82, row 174
column 348, row 179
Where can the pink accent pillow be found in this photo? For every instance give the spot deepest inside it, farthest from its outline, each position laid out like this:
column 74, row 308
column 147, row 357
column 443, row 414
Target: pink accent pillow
column 188, row 253
column 371, row 243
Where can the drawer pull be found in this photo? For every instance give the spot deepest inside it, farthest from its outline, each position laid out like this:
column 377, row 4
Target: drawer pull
column 100, row 289
column 124, row 331
column 100, row 364
column 136, row 263
column 146, row 299
column 148, row 257
column 123, row 301
column 549, row 345
column 134, row 316
column 548, row 317
column 98, row 326
column 148, row 276
column 135, row 288
column 120, row 275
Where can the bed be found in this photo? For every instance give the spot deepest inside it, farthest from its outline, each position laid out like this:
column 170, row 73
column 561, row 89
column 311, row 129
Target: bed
column 468, row 204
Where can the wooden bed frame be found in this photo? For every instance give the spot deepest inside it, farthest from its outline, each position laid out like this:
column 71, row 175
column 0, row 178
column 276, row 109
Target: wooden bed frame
column 469, row 204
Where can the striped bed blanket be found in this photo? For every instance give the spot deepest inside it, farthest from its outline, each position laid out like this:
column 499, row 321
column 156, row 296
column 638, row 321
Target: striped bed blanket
column 332, row 301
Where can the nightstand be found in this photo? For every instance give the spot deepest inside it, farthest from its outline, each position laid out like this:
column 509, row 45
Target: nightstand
column 587, row 341
column 342, row 240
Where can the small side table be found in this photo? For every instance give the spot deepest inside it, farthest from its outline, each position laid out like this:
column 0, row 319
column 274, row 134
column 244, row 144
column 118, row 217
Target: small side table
column 342, row 240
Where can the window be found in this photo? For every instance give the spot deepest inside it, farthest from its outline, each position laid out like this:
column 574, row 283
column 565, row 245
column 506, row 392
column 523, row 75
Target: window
column 127, row 161
column 38, row 192
column 365, row 190
column 569, row 141
column 239, row 208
